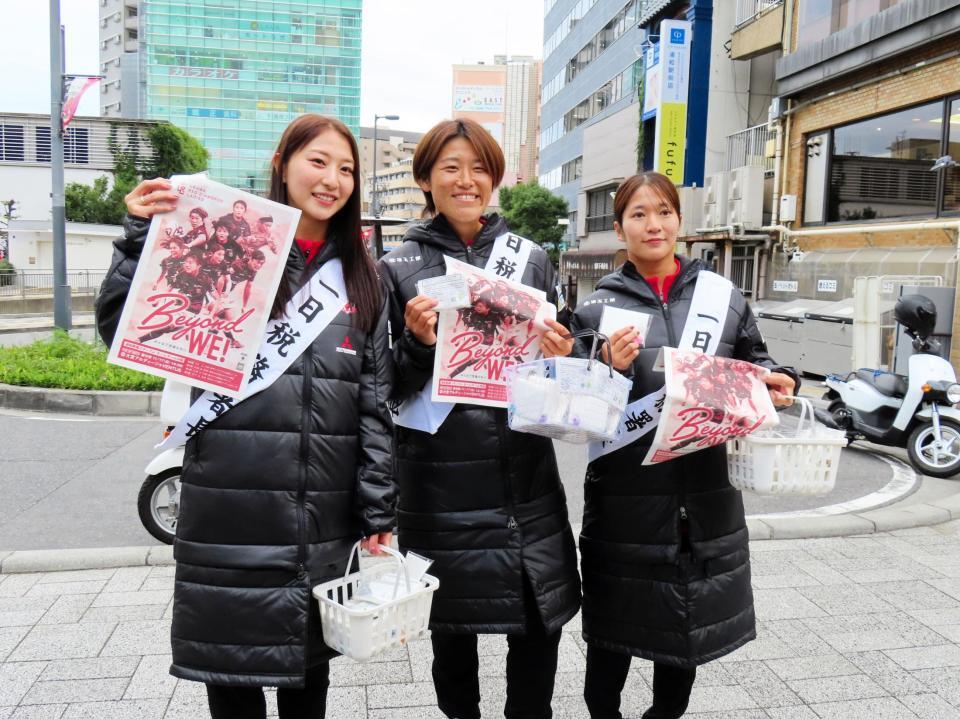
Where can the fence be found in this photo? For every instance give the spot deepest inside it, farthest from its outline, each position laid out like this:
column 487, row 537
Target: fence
column 749, row 9
column 38, row 283
column 749, row 147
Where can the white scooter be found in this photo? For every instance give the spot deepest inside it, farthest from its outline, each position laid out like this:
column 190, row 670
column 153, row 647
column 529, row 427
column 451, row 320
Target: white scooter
column 916, row 411
column 159, row 500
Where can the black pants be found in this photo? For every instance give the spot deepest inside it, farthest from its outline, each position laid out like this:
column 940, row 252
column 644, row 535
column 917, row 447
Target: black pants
column 249, row 703
column 607, row 673
column 531, row 669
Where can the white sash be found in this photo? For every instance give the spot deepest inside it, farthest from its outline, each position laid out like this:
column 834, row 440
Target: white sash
column 702, row 331
column 508, row 259
column 306, row 315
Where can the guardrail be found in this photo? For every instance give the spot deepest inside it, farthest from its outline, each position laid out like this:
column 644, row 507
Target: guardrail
column 38, row 283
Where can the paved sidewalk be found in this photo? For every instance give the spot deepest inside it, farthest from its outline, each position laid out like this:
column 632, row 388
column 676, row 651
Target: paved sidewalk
column 850, row 627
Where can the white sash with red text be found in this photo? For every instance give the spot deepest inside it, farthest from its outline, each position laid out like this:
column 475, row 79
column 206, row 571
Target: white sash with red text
column 307, row 314
column 702, row 331
column 508, row 259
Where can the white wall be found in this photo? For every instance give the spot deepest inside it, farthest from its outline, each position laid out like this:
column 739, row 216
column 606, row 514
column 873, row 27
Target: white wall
column 30, row 187
column 89, row 247
column 729, row 84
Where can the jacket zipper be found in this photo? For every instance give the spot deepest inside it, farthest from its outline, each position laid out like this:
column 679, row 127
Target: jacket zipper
column 304, row 458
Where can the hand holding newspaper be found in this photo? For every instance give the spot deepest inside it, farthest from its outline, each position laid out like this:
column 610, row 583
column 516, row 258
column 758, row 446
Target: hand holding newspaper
column 204, row 287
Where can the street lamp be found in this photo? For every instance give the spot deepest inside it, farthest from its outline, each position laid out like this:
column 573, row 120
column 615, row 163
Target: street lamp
column 374, row 201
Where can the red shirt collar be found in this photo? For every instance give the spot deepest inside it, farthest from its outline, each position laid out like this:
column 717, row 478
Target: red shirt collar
column 664, row 291
column 310, row 247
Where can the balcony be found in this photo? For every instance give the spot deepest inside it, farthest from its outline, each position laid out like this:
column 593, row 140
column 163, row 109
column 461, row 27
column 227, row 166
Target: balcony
column 750, row 147
column 759, row 28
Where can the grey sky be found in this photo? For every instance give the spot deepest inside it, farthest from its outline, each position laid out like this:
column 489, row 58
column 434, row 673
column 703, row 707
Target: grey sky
column 408, row 49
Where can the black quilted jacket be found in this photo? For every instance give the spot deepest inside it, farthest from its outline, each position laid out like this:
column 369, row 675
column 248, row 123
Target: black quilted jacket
column 484, row 502
column 274, row 493
column 664, row 555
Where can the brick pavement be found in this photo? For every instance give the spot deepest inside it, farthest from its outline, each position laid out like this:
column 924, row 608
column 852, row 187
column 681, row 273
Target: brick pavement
column 849, row 628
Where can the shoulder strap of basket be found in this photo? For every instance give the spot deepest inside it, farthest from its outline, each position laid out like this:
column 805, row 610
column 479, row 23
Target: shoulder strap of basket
column 508, row 259
column 702, row 330
column 307, row 314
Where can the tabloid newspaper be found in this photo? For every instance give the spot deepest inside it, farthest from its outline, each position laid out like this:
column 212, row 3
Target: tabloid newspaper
column 475, row 345
column 203, row 289
column 709, row 400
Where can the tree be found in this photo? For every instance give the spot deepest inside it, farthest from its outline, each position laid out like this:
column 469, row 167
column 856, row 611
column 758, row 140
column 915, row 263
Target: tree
column 8, row 211
column 175, row 152
column 532, row 212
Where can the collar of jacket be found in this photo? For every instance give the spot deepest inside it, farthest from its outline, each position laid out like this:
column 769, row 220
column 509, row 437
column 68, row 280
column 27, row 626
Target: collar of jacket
column 627, row 279
column 438, row 232
column 297, row 260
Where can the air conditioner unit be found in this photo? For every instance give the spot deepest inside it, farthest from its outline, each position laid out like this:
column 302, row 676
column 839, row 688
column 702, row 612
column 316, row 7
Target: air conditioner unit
column 745, row 180
column 745, row 203
column 715, row 188
column 691, row 206
column 715, row 200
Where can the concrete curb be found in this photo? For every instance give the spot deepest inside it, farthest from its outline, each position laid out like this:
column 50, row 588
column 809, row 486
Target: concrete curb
column 76, row 401
column 884, row 519
column 771, row 528
column 60, row 560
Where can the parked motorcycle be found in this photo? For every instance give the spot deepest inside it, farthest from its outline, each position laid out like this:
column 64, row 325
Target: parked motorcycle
column 159, row 500
column 916, row 411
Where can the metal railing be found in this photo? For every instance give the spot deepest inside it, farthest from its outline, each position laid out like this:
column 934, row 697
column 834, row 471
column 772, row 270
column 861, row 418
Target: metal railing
column 748, row 147
column 39, row 283
column 741, row 272
column 747, row 10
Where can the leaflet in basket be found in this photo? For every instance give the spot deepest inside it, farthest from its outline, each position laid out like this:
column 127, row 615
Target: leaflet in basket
column 204, row 286
column 709, row 400
column 502, row 327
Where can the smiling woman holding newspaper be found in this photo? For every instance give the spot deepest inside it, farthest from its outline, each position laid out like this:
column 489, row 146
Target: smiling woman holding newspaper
column 483, row 502
column 276, row 490
column 666, row 570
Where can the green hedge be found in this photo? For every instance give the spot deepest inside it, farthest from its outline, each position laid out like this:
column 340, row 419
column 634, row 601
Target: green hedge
column 65, row 362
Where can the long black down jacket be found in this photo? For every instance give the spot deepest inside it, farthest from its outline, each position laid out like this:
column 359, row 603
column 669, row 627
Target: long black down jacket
column 664, row 555
column 274, row 494
column 483, row 502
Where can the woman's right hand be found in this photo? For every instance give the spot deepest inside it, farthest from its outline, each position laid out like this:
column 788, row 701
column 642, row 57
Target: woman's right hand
column 151, row 197
column 626, row 347
column 421, row 319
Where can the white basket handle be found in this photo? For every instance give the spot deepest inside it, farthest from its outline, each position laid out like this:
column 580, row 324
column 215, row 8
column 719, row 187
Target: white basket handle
column 401, row 563
column 806, row 412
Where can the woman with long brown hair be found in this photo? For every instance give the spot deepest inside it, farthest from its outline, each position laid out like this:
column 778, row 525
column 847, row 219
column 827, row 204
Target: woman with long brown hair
column 276, row 490
column 483, row 502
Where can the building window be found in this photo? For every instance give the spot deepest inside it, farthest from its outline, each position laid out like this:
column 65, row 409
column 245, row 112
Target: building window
column 821, row 18
column 600, row 209
column 11, row 143
column 881, row 167
column 76, row 145
column 572, row 170
column 951, row 175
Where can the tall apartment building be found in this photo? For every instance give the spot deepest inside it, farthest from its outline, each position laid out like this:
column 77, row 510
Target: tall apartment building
column 233, row 73
column 504, row 97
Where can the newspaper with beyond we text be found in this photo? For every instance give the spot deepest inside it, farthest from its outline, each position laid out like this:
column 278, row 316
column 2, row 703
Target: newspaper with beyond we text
column 204, row 286
column 709, row 400
column 475, row 345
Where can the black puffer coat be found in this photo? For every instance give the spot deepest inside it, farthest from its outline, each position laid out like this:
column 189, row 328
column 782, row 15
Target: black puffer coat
column 274, row 493
column 483, row 502
column 664, row 555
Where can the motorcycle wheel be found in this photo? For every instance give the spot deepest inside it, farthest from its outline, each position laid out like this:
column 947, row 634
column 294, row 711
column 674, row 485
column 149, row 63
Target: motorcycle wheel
column 920, row 448
column 158, row 504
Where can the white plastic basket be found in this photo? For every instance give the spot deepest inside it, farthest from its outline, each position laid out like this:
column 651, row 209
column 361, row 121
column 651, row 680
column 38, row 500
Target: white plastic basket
column 777, row 463
column 360, row 628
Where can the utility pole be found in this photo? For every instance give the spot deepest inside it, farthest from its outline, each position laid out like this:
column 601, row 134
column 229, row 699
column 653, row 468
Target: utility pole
column 61, row 290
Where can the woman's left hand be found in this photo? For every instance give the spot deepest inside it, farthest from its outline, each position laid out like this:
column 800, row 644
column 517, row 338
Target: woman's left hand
column 553, row 344
column 781, row 388
column 373, row 543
